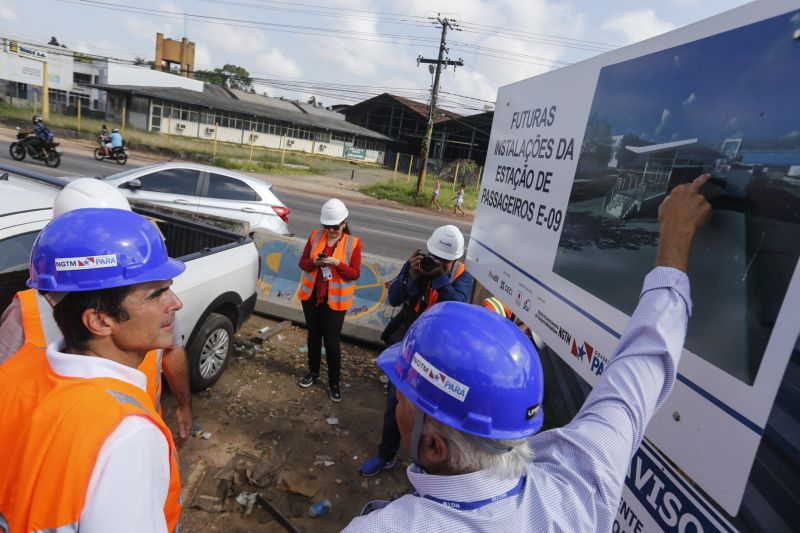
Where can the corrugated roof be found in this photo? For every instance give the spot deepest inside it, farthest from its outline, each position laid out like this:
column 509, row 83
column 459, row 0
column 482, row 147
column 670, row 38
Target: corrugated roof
column 418, row 107
column 249, row 104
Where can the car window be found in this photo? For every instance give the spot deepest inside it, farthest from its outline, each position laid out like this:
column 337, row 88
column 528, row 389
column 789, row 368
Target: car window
column 171, row 181
column 15, row 252
column 227, row 188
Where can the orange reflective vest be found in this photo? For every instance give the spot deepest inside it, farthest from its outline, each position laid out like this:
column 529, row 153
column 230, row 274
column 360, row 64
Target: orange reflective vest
column 34, row 334
column 433, row 294
column 341, row 293
column 494, row 304
column 53, row 429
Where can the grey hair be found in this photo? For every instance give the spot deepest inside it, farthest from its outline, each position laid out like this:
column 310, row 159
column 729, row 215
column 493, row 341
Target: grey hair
column 466, row 456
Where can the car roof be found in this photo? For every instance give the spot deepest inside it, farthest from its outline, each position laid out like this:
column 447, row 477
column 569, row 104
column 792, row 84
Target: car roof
column 195, row 166
column 20, row 195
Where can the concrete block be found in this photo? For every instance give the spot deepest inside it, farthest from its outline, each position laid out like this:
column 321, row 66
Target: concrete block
column 280, row 281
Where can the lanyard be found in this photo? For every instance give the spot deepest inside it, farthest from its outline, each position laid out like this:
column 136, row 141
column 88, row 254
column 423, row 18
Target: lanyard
column 471, row 506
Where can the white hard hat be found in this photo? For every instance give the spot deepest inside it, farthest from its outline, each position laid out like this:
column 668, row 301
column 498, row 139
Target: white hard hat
column 333, row 212
column 86, row 193
column 446, row 242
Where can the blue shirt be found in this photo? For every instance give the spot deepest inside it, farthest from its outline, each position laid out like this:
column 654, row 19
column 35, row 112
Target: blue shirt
column 575, row 480
column 404, row 288
column 116, row 140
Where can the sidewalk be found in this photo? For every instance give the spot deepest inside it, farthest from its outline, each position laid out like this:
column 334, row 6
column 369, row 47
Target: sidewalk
column 312, row 184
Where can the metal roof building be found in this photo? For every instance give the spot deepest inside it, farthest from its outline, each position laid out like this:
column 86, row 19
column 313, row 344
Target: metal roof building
column 226, row 115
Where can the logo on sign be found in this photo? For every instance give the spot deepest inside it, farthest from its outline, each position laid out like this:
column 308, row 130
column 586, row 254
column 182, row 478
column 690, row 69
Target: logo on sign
column 439, row 379
column 494, row 277
column 86, row 263
column 586, row 352
column 505, row 287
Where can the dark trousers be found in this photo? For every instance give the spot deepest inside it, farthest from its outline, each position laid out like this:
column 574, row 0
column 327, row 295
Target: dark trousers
column 324, row 324
column 390, row 437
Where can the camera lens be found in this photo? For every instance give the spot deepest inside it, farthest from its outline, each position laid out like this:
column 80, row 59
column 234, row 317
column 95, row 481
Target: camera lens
column 428, row 263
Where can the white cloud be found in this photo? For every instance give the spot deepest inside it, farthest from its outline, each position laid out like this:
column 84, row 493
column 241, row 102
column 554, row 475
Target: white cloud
column 665, row 114
column 635, row 26
column 273, row 62
column 689, row 100
column 792, row 134
column 146, row 29
column 233, row 40
column 202, row 58
column 7, row 14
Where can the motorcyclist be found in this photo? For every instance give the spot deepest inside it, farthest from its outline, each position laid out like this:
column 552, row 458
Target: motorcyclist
column 105, row 138
column 41, row 135
column 116, row 139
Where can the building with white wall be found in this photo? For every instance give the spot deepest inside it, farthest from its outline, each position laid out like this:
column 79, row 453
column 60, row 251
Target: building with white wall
column 240, row 117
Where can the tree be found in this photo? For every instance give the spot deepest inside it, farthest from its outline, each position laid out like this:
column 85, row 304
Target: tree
column 230, row 76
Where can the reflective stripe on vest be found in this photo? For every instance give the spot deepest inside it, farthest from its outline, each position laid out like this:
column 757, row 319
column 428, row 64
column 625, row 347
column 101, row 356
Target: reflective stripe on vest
column 54, row 428
column 433, row 294
column 307, row 279
column 31, row 318
column 341, row 293
column 151, row 368
column 494, row 304
column 69, row 528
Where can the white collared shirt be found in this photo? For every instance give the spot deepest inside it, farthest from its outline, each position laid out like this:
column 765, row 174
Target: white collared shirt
column 130, row 480
column 574, row 482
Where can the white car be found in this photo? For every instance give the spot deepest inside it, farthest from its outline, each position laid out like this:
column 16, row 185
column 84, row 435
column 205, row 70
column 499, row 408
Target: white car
column 206, row 189
column 218, row 287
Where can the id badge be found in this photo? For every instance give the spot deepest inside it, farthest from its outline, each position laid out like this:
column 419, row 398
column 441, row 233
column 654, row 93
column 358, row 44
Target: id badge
column 326, row 273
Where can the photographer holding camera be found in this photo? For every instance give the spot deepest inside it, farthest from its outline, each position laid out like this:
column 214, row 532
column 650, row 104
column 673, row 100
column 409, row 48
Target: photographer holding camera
column 424, row 280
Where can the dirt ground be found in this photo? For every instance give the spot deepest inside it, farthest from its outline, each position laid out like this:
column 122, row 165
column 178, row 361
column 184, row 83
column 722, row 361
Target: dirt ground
column 256, row 411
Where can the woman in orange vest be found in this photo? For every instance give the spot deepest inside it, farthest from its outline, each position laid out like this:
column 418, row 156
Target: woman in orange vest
column 331, row 262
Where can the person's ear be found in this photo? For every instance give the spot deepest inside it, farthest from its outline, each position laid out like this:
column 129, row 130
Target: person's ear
column 98, row 323
column 433, row 452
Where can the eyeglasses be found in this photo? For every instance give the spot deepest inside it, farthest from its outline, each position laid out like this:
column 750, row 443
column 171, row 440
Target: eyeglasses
column 332, row 228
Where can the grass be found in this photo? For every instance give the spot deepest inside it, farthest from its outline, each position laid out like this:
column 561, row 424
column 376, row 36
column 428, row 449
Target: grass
column 405, row 192
column 228, row 155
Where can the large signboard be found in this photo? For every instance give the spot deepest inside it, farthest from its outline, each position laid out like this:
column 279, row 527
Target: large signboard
column 580, row 159
column 24, row 63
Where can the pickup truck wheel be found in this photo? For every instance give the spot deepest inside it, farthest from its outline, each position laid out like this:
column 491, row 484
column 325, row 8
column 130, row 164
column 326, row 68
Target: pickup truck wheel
column 210, row 351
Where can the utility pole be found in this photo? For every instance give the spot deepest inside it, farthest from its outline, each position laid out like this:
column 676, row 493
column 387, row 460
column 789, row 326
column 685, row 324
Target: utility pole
column 441, row 60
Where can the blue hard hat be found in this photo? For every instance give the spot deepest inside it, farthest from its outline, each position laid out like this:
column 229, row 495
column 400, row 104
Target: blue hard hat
column 92, row 249
column 470, row 369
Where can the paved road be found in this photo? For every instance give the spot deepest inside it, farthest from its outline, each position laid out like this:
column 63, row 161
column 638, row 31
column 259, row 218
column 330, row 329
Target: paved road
column 384, row 231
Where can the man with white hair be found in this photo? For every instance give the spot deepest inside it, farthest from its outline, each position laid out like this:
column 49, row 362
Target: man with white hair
column 469, row 389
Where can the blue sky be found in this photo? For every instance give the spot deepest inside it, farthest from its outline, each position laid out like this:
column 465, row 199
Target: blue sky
column 736, row 84
column 370, row 44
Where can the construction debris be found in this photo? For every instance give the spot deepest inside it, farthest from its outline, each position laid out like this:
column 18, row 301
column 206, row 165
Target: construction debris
column 305, row 485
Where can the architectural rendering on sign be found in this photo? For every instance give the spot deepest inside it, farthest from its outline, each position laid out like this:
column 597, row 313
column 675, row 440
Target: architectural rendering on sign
column 716, row 105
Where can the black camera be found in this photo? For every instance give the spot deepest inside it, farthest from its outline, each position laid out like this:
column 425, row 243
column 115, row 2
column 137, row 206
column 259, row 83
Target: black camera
column 428, row 263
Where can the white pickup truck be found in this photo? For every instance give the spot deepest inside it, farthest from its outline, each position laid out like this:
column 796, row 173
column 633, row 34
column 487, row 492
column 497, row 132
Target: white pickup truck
column 218, row 288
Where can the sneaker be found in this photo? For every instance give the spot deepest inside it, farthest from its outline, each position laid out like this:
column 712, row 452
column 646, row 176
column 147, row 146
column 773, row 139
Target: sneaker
column 335, row 394
column 308, row 380
column 373, row 466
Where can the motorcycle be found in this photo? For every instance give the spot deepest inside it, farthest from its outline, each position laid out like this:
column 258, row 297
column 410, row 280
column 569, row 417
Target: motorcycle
column 26, row 145
column 118, row 154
